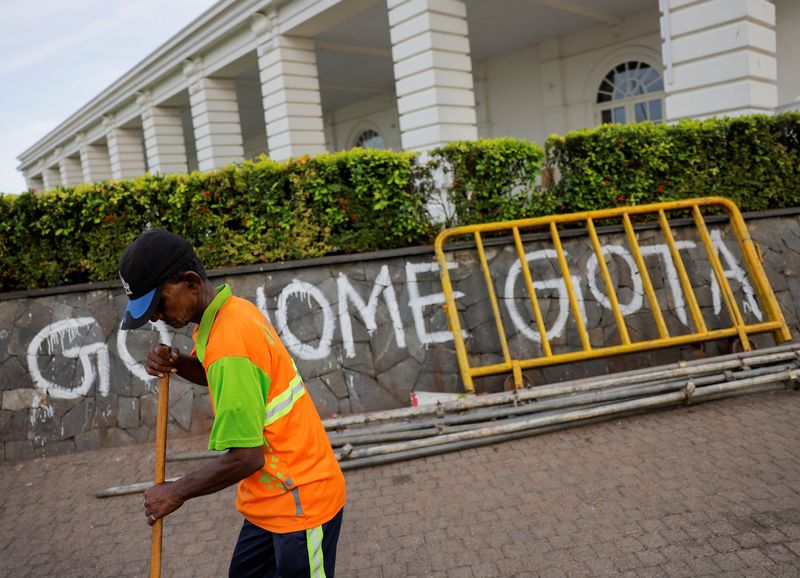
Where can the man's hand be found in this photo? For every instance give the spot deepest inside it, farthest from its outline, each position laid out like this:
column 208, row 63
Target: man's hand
column 230, row 467
column 161, row 500
column 162, row 359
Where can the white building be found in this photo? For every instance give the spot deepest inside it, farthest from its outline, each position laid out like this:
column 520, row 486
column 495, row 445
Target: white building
column 295, row 77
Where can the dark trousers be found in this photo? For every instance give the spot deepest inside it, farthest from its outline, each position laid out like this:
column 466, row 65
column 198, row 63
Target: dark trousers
column 304, row 554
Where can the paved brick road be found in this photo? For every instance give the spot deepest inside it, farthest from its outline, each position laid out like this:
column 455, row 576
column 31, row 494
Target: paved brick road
column 713, row 490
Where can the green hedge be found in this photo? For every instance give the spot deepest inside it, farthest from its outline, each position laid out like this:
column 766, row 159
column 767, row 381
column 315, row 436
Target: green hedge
column 753, row 160
column 365, row 200
column 259, row 211
column 493, row 180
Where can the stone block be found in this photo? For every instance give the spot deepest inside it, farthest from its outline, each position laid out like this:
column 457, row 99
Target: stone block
column 316, row 367
column 401, row 378
column 113, row 436
column 105, row 414
column 202, row 412
column 5, row 425
column 325, row 401
column 78, row 419
column 181, row 396
column 101, row 307
column 121, row 378
column 128, row 412
column 364, row 392
column 55, row 448
column 148, row 409
column 334, row 381
column 481, row 311
column 441, row 360
column 17, row 399
column 14, row 425
column 202, row 402
column 19, row 450
column 362, row 361
column 441, row 382
column 15, row 374
column 87, row 441
column 142, row 434
column 358, row 330
column 5, row 340
column 385, row 349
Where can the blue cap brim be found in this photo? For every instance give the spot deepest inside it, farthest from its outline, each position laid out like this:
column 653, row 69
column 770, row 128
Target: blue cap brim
column 139, row 311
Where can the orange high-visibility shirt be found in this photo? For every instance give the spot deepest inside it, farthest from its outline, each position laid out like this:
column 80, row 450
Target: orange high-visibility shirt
column 260, row 400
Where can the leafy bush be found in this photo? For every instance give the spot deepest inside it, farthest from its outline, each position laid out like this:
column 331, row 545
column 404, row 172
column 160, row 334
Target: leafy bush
column 493, row 180
column 366, row 200
column 753, row 160
column 256, row 211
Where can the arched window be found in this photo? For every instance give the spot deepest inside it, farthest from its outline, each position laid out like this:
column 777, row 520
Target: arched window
column 369, row 139
column 631, row 92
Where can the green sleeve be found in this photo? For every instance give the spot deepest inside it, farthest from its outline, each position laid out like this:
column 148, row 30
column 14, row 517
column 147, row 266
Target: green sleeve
column 239, row 391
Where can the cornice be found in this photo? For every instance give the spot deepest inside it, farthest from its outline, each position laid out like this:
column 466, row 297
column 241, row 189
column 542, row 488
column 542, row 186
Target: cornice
column 213, row 25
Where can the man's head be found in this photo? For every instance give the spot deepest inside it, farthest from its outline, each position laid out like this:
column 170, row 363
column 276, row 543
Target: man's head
column 161, row 274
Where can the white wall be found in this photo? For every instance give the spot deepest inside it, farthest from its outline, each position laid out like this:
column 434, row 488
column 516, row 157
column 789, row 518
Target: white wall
column 344, row 125
column 787, row 31
column 517, row 86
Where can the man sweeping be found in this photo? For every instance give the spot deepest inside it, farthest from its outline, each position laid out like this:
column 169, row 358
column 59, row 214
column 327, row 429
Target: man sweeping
column 291, row 490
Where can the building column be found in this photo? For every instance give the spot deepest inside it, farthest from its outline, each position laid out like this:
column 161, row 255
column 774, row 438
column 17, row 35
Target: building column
column 719, row 57
column 290, row 91
column 51, row 176
column 70, row 171
column 215, row 118
column 164, row 142
column 33, row 180
column 552, row 85
column 94, row 160
column 125, row 150
column 433, row 72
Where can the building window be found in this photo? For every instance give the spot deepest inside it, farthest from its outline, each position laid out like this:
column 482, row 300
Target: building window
column 369, row 139
column 631, row 92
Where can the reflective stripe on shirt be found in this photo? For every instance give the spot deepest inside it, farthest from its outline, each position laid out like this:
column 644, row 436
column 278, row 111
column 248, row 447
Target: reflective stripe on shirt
column 283, row 402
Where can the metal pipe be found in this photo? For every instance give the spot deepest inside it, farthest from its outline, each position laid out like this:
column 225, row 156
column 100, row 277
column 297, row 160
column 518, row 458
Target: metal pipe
column 776, row 354
column 489, row 440
column 573, row 415
column 126, row 489
column 540, row 404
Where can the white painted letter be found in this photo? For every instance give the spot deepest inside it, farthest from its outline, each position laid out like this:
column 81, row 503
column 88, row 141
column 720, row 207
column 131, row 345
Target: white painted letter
column 136, row 367
column 383, row 284
column 418, row 303
column 636, row 279
column 302, row 350
column 671, row 273
column 558, row 284
column 735, row 272
column 59, row 333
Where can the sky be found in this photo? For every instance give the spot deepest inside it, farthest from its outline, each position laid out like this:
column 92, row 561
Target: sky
column 56, row 55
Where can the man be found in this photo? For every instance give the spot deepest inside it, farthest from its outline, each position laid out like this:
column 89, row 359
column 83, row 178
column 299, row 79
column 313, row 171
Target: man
column 291, row 489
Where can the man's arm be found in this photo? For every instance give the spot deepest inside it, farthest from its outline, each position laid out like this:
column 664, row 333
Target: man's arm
column 190, row 368
column 231, row 467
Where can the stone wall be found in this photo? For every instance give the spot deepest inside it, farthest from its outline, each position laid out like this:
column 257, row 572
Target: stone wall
column 366, row 330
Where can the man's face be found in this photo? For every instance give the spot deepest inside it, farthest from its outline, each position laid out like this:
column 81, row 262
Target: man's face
column 177, row 305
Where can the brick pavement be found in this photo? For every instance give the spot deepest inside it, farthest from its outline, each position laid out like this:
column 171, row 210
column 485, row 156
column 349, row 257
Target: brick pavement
column 712, row 490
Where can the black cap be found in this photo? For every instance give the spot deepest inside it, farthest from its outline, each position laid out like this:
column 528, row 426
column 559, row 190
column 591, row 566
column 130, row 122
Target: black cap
column 146, row 264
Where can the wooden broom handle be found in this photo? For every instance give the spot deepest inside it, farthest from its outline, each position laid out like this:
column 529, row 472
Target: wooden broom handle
column 161, row 462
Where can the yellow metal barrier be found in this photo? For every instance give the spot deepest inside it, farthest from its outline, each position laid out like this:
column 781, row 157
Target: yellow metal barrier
column 774, row 323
